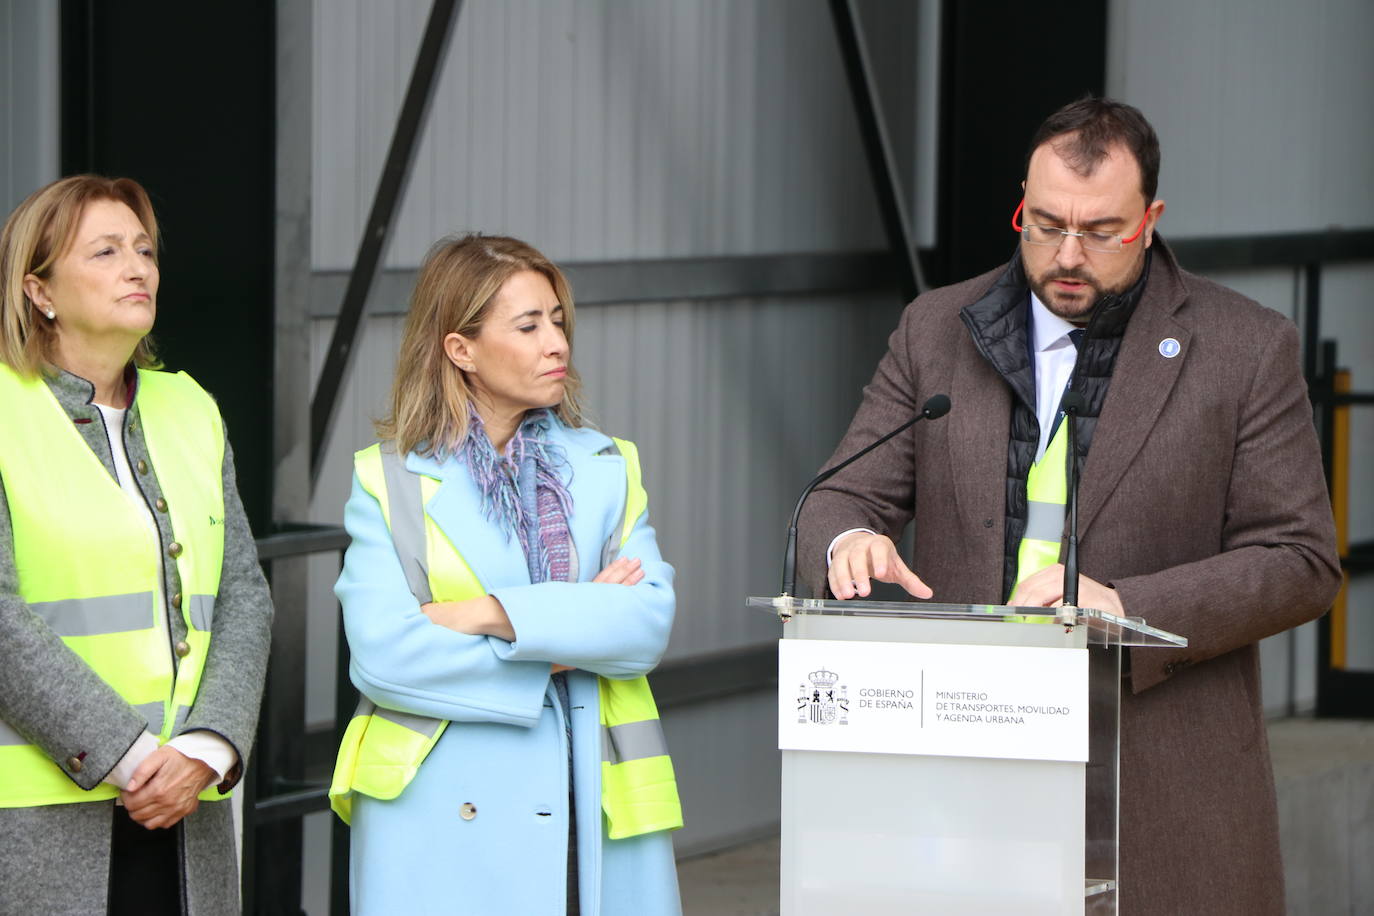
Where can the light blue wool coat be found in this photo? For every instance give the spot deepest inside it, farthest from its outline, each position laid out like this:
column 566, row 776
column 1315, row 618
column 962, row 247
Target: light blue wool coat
column 505, row 751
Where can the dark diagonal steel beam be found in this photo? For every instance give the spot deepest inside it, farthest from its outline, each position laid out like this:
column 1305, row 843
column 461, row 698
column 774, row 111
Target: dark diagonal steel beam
column 877, row 147
column 404, row 141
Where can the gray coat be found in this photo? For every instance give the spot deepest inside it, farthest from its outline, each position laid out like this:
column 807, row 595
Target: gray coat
column 55, row 859
column 1204, row 504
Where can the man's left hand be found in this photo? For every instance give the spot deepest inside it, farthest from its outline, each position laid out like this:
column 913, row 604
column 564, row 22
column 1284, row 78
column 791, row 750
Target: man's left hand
column 163, row 789
column 1046, row 589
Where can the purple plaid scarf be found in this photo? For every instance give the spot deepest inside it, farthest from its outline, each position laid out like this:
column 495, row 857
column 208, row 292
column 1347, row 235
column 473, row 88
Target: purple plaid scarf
column 523, row 493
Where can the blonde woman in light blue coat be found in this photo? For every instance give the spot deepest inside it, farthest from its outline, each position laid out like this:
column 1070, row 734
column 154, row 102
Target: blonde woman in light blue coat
column 505, row 813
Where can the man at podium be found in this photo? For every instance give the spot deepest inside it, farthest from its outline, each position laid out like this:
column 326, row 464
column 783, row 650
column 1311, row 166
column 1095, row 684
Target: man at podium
column 1202, row 504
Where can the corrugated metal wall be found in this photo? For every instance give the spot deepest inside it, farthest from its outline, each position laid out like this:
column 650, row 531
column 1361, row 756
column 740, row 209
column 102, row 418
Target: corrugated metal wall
column 598, row 130
column 609, row 131
column 1274, row 137
column 28, row 98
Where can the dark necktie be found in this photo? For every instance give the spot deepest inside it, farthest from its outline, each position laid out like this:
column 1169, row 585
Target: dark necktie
column 1076, row 338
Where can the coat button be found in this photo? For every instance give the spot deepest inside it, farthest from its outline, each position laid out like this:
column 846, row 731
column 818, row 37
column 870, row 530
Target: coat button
column 74, row 764
column 468, row 811
column 160, row 504
column 182, row 649
column 1170, row 668
column 142, row 466
column 176, row 600
column 174, row 550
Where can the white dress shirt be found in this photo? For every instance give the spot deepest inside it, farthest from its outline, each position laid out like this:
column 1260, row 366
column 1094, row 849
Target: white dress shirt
column 205, row 746
column 1055, row 356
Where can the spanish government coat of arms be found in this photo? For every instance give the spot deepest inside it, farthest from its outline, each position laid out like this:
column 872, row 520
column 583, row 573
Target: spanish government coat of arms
column 822, row 703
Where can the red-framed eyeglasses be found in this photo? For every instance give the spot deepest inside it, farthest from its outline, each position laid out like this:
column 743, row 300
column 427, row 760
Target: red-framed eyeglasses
column 1090, row 240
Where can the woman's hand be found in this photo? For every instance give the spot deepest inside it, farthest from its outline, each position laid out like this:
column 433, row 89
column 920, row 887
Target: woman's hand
column 482, row 616
column 163, row 789
column 621, row 571
column 485, row 616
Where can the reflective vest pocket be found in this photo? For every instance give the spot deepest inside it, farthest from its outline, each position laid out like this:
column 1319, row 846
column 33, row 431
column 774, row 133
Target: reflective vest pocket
column 381, row 752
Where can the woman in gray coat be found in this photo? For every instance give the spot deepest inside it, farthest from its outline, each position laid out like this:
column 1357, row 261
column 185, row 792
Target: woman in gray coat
column 134, row 619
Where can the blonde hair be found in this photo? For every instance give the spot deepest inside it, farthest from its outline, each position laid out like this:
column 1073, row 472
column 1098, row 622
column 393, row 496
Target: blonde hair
column 37, row 233
column 459, row 279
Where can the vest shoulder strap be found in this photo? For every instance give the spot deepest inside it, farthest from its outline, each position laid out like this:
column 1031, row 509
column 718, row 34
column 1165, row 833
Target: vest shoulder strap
column 636, row 499
column 367, row 464
column 383, row 473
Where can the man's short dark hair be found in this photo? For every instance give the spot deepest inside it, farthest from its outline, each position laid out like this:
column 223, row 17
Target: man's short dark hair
column 1082, row 133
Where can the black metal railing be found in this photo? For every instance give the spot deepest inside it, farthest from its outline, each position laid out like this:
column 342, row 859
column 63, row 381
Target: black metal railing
column 283, row 787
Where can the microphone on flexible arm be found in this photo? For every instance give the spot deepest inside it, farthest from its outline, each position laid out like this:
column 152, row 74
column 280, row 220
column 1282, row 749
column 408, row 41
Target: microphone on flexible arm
column 935, row 407
column 1072, row 405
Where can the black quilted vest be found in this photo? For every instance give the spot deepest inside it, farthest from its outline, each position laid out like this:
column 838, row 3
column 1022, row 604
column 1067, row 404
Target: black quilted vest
column 1000, row 326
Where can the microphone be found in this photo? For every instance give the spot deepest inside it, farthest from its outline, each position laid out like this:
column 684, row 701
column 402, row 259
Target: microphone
column 934, row 408
column 1072, row 405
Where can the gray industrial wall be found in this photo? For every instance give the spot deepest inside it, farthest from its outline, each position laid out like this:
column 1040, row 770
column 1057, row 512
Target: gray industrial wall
column 606, row 131
column 28, row 98
column 1265, row 113
column 609, row 131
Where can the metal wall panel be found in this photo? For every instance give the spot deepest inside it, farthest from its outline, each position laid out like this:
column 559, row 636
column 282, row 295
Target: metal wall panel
column 1264, row 117
column 725, row 755
column 28, row 98
column 1262, row 108
column 597, row 130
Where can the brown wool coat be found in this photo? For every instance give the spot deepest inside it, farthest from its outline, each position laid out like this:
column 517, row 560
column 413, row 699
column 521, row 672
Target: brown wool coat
column 1202, row 501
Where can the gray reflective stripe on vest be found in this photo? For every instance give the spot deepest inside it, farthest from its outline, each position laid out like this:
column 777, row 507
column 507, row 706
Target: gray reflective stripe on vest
column 633, row 741
column 152, row 714
column 422, row 724
column 9, row 737
column 97, row 616
column 407, row 511
column 202, row 611
column 406, row 507
column 183, row 712
column 611, row 548
column 1044, row 521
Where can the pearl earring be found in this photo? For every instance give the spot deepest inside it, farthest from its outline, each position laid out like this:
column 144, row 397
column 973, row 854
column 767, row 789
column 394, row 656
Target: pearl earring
column 51, row 314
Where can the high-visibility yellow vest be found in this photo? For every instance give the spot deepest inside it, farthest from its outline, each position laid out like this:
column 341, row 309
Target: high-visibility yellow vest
column 1046, row 496
column 382, row 749
column 87, row 562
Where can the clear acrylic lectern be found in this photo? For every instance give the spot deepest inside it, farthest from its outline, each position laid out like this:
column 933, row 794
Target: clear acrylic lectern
column 915, row 832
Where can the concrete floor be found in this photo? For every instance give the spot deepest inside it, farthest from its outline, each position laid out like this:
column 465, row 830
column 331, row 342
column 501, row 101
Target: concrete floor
column 742, row 881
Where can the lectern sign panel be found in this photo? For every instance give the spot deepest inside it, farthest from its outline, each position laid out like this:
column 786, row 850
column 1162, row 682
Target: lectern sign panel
column 945, row 700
